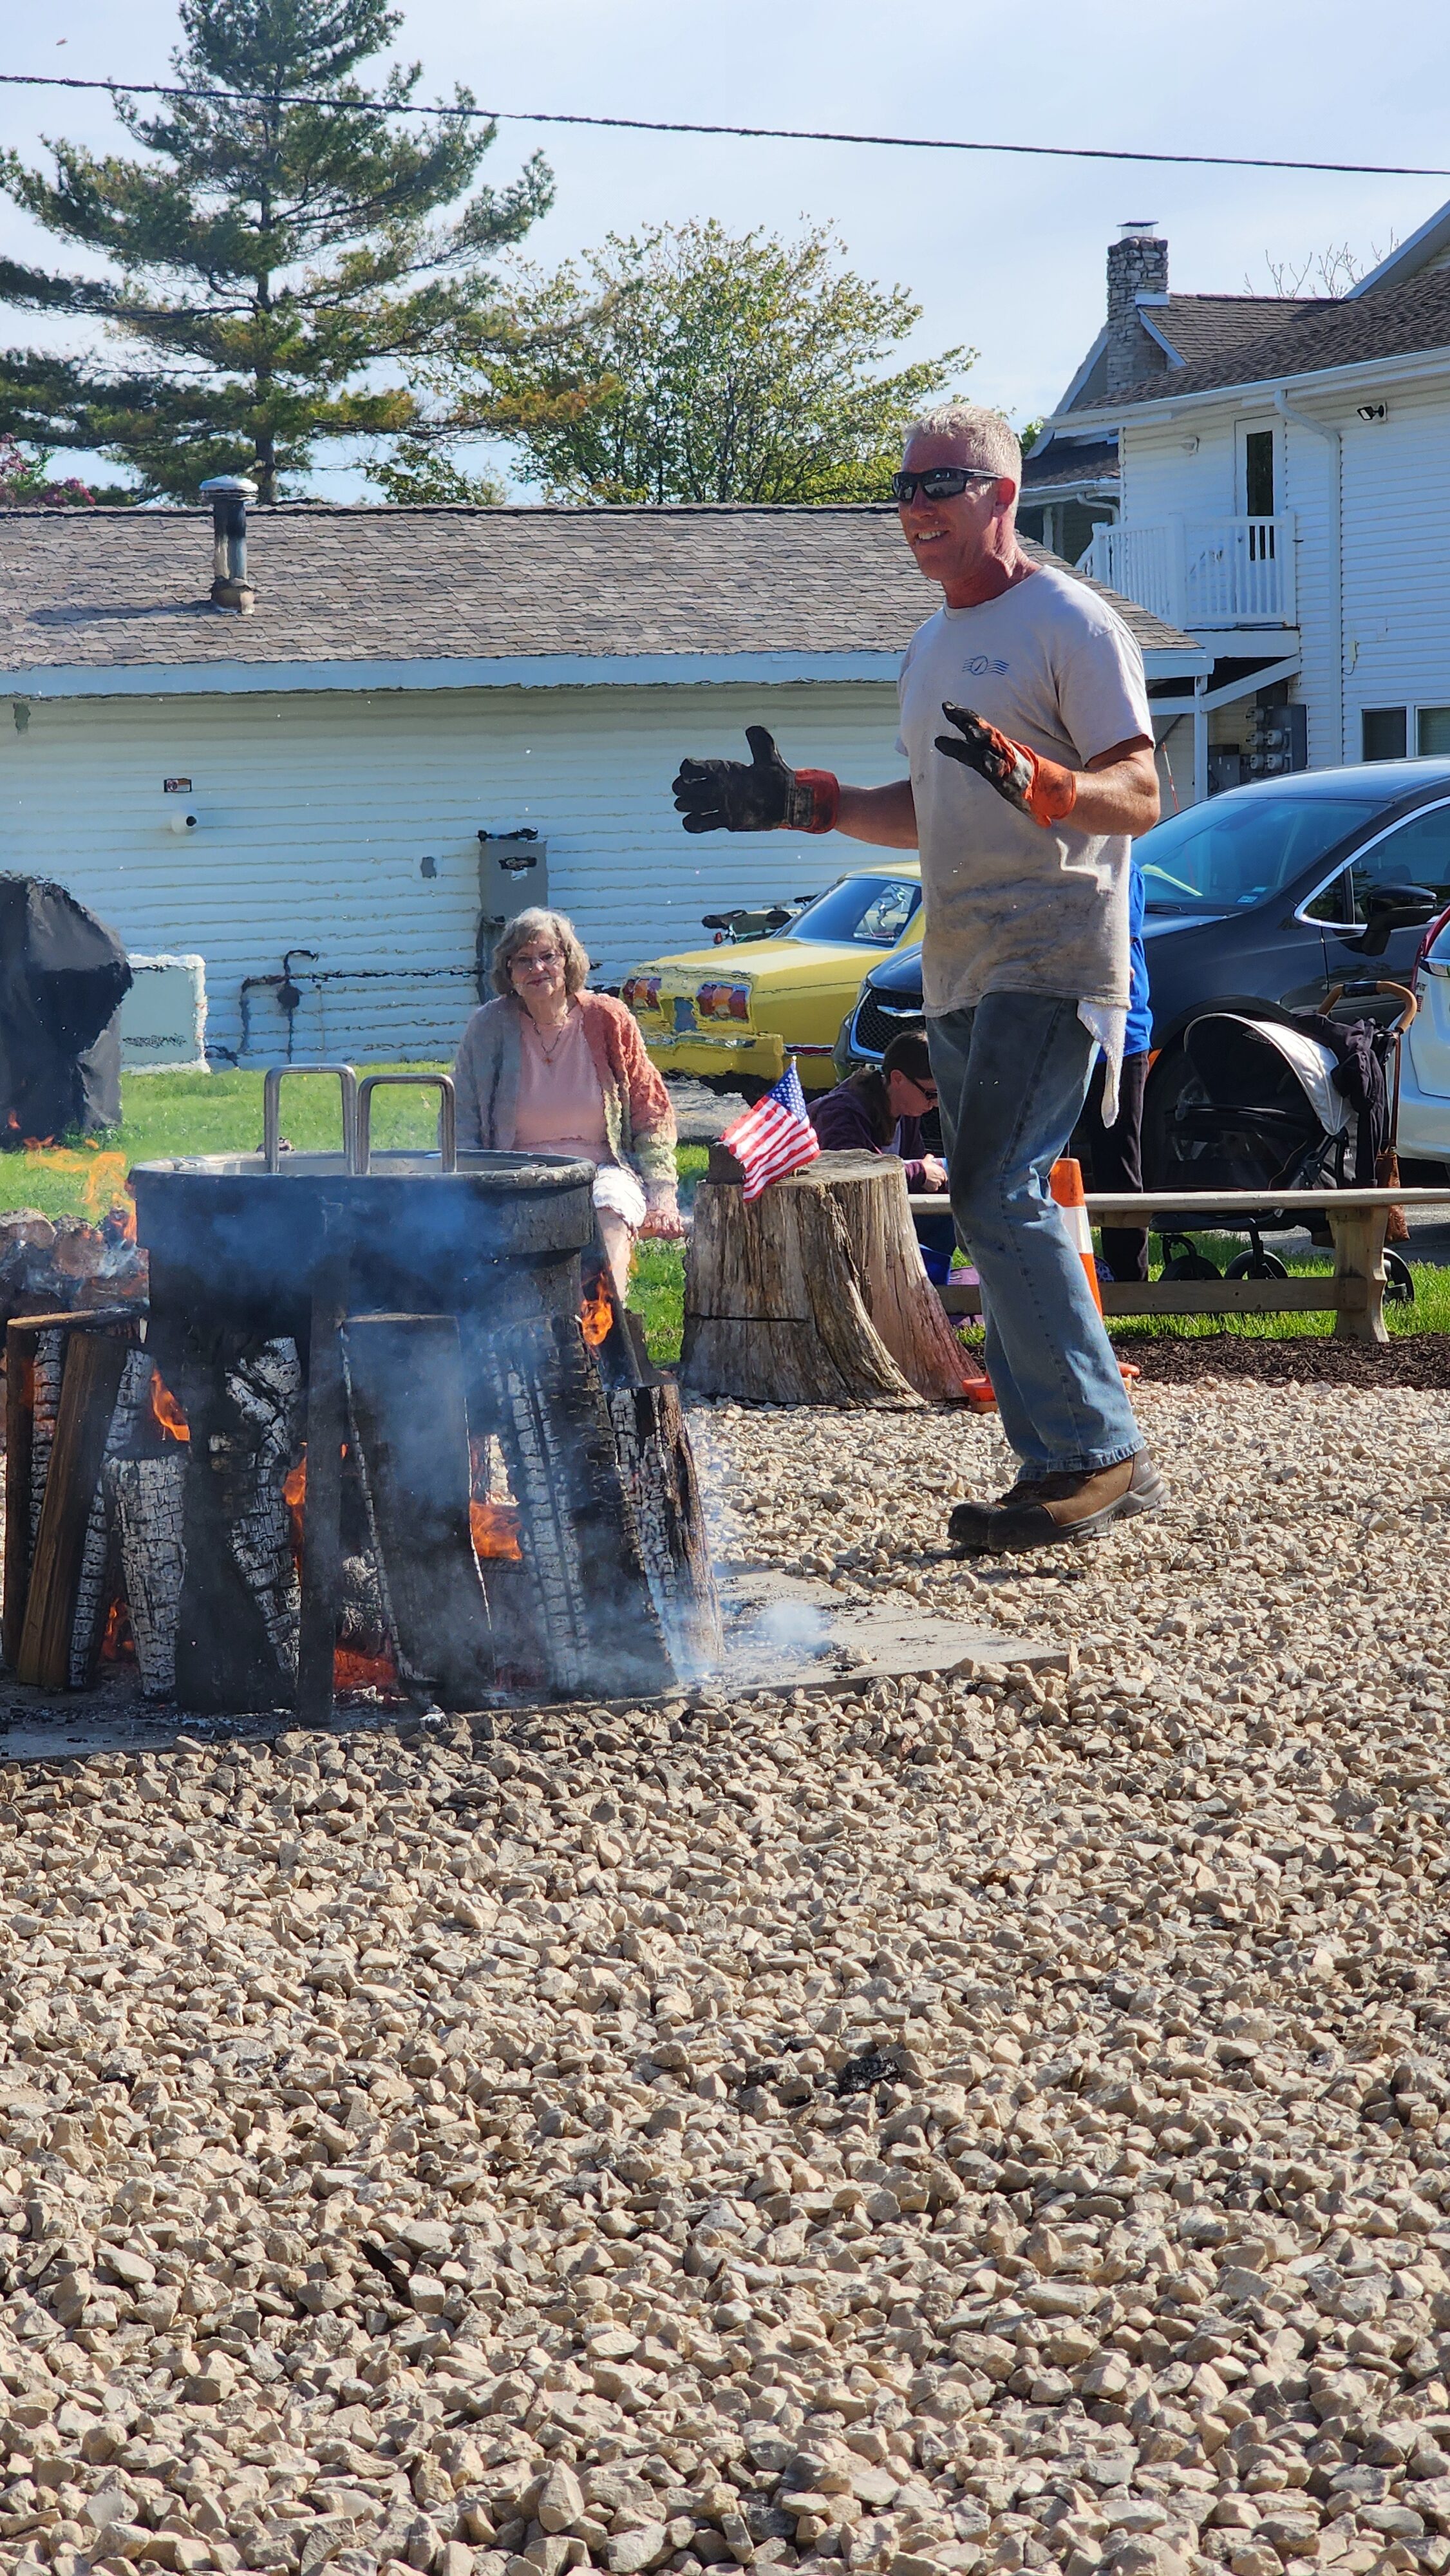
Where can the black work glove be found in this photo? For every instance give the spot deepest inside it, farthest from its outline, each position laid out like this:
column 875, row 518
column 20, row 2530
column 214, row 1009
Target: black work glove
column 759, row 796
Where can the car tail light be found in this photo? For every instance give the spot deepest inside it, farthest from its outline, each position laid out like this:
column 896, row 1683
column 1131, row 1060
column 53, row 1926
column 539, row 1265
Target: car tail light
column 642, row 992
column 723, row 1002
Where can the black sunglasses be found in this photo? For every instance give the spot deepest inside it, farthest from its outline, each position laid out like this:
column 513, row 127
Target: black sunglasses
column 939, row 482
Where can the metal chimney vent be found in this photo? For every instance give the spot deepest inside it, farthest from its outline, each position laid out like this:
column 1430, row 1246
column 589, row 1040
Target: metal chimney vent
column 229, row 495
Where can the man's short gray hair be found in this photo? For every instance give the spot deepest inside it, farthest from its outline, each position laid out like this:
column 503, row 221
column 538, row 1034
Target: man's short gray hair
column 988, row 438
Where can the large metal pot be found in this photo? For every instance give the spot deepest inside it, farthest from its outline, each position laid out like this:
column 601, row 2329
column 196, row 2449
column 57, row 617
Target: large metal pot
column 245, row 1238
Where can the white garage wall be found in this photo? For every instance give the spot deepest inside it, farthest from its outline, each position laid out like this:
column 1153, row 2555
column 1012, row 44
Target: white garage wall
column 314, row 812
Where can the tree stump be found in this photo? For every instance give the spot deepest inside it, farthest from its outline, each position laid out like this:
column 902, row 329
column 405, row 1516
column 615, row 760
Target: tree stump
column 778, row 1293
column 905, row 1310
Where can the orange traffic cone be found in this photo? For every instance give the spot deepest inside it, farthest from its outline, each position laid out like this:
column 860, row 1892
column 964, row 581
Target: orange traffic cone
column 1065, row 1183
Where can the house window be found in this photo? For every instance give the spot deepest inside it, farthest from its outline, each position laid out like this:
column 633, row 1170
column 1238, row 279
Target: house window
column 1433, row 730
column 1384, row 733
column 1259, row 473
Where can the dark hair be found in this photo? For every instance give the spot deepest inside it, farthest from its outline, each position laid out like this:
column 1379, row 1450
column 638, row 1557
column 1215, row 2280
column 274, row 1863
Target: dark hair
column 909, row 1054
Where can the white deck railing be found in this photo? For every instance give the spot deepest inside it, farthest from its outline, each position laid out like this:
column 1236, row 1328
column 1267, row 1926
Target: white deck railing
column 1201, row 572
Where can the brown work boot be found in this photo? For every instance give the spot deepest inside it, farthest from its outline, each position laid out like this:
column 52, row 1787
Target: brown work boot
column 1042, row 1511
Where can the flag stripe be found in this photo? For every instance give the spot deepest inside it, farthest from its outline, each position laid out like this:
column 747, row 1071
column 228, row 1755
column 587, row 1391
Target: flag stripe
column 776, row 1137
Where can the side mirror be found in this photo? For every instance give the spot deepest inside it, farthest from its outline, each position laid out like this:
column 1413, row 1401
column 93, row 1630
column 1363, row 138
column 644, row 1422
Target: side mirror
column 1393, row 907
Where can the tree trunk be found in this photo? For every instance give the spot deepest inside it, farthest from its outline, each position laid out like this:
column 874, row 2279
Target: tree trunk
column 905, row 1310
column 775, row 1301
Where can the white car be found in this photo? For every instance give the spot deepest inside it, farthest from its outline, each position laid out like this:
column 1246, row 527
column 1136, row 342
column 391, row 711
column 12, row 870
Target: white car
column 1425, row 1057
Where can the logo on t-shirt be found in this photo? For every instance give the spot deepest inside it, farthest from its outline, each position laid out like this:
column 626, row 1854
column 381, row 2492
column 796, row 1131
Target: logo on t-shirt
column 981, row 662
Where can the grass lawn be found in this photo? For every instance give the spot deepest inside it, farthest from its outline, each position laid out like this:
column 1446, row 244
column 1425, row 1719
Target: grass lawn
column 166, row 1114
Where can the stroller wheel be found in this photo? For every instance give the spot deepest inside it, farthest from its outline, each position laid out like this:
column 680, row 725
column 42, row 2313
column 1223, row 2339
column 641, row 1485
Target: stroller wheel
column 1399, row 1284
column 1189, row 1265
column 1256, row 1265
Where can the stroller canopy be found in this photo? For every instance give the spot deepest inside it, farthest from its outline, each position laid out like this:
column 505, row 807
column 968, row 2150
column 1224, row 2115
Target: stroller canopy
column 1243, row 1064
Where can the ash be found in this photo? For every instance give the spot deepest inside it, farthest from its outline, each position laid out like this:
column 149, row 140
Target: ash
column 435, row 2155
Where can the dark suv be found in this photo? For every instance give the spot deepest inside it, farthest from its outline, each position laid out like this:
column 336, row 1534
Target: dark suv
column 1272, row 893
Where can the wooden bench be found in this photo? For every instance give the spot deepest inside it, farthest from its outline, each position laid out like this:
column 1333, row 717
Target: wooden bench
column 1353, row 1292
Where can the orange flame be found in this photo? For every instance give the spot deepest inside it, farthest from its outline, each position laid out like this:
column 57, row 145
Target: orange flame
column 166, row 1413
column 495, row 1528
column 354, row 1672
column 596, row 1316
column 294, row 1495
column 101, row 1177
column 117, row 1644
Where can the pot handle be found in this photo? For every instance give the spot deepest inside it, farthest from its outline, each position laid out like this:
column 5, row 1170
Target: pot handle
column 272, row 1111
column 442, row 1083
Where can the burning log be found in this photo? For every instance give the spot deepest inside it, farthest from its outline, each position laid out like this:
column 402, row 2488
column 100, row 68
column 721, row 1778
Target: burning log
column 35, row 1360
column 322, row 1516
column 658, row 1468
column 100, row 1574
column 535, row 1386
column 89, row 1386
column 148, row 1498
column 404, row 1379
column 237, row 1625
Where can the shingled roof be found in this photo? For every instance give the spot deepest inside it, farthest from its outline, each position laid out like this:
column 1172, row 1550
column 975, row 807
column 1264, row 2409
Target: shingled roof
column 126, row 590
column 1393, row 322
column 1203, row 328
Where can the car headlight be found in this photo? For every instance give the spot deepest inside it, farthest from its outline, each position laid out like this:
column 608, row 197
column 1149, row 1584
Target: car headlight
column 642, row 992
column 723, row 1002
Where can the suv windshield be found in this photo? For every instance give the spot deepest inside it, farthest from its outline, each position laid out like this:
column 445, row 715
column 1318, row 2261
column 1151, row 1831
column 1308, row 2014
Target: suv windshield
column 871, row 910
column 1240, row 848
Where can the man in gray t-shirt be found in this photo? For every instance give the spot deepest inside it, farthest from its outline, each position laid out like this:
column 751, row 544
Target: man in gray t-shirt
column 1026, row 729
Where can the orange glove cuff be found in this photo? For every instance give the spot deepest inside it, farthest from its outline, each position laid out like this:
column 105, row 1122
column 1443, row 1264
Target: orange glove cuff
column 1053, row 792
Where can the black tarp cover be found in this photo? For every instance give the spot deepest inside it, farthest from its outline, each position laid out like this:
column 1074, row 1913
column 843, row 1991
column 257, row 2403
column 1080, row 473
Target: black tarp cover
column 62, row 978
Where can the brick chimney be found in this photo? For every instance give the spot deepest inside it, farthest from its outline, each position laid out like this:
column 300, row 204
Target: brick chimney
column 1137, row 265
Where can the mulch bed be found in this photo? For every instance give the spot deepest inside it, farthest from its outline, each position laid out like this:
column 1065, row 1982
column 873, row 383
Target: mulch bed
column 1412, row 1359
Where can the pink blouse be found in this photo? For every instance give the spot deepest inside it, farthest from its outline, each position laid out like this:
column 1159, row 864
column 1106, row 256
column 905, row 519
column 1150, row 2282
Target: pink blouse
column 560, row 1102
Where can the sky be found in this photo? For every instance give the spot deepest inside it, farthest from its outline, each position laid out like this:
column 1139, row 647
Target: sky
column 1003, row 254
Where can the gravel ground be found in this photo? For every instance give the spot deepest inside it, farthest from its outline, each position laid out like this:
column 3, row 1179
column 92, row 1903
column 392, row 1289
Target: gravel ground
column 953, row 2126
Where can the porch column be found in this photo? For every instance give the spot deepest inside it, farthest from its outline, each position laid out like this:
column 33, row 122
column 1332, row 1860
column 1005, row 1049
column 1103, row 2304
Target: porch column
column 1200, row 739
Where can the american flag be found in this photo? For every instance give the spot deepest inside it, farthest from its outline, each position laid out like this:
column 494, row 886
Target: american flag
column 775, row 1137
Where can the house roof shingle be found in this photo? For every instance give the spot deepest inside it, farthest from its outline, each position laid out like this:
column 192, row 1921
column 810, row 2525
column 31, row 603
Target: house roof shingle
column 1393, row 322
column 111, row 590
column 1202, row 327
column 1085, row 460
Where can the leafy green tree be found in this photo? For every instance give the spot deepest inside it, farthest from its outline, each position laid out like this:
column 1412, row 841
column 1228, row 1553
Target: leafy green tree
column 689, row 365
column 278, row 272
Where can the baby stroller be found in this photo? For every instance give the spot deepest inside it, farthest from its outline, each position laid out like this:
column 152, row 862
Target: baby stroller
column 1285, row 1100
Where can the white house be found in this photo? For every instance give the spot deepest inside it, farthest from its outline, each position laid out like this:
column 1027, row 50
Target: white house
column 1283, row 497
column 410, row 680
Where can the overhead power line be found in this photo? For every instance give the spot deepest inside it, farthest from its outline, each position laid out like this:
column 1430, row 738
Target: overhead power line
column 747, row 133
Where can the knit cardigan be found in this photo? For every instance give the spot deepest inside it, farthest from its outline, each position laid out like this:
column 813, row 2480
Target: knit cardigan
column 638, row 1118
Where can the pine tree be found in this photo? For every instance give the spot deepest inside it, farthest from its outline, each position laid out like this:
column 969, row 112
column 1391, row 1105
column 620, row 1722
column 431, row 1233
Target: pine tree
column 279, row 271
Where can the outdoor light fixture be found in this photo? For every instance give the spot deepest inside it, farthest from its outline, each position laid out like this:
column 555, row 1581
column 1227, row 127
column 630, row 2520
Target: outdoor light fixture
column 175, row 817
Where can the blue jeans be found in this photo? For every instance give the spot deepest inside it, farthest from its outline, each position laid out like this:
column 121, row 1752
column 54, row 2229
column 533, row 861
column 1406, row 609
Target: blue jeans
column 1012, row 1076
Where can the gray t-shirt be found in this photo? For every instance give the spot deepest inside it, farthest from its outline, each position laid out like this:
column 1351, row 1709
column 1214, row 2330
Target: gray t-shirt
column 1010, row 907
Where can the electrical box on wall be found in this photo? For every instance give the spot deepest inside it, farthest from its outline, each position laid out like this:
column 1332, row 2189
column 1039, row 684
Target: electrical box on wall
column 1278, row 741
column 513, row 875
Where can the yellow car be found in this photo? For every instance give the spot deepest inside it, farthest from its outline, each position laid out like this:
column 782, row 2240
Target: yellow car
column 730, row 1015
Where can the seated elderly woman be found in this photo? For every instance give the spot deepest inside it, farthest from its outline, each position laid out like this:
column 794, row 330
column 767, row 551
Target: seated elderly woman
column 551, row 1066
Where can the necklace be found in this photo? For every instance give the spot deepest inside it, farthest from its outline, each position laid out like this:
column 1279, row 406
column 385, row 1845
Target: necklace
column 546, row 1051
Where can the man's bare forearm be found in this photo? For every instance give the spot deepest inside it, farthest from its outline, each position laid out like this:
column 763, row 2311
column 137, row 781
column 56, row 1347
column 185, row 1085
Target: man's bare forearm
column 884, row 815
column 1117, row 792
